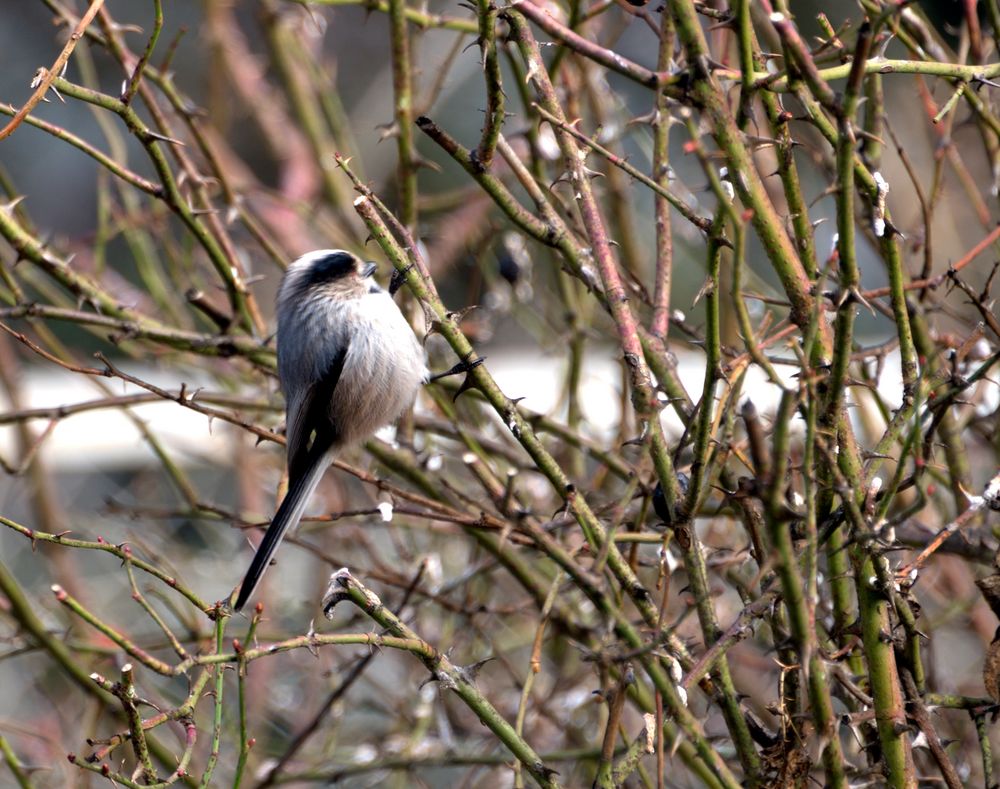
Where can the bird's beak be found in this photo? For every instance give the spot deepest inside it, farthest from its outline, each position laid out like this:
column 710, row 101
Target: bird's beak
column 368, row 270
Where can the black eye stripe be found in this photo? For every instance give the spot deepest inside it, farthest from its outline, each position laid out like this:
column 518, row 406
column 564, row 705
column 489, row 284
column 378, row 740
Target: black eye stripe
column 331, row 268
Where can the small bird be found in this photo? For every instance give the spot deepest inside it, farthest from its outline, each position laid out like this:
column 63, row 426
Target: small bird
column 348, row 362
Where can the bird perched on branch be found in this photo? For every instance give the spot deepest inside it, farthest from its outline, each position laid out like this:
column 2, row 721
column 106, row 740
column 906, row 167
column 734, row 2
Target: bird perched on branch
column 349, row 364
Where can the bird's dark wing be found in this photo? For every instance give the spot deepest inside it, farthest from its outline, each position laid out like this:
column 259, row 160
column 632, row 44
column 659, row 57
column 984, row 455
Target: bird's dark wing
column 309, row 415
column 312, row 419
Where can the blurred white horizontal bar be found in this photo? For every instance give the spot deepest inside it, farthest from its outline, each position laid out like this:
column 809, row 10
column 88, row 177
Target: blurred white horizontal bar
column 107, row 437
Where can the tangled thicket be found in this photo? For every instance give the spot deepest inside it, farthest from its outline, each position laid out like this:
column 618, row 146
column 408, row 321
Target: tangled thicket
column 759, row 573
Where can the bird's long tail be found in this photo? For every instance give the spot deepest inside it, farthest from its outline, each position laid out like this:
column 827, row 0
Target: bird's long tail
column 300, row 490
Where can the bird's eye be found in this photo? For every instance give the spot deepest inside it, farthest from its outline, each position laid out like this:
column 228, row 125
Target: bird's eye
column 331, row 267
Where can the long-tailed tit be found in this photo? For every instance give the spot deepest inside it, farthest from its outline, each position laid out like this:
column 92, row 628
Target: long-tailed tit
column 349, row 363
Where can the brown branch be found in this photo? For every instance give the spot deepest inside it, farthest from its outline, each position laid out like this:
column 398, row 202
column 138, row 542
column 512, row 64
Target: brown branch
column 45, row 77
